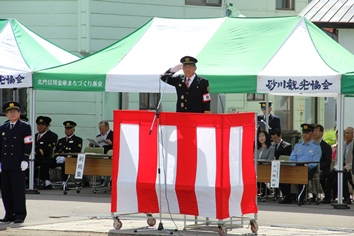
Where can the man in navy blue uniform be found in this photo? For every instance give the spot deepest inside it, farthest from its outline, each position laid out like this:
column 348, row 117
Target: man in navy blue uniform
column 16, row 146
column 274, row 121
column 192, row 90
column 44, row 142
column 68, row 144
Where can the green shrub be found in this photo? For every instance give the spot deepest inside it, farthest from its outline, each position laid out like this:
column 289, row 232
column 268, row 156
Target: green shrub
column 330, row 136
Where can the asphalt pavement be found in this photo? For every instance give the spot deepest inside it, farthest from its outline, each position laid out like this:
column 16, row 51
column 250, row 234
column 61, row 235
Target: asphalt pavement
column 88, row 214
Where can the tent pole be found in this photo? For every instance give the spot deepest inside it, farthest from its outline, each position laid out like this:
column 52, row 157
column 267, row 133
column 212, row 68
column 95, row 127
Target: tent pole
column 340, row 128
column 31, row 159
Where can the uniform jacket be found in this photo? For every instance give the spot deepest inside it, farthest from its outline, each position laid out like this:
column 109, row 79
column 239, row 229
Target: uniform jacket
column 326, row 158
column 55, row 137
column 15, row 144
column 74, row 144
column 44, row 146
column 189, row 99
column 306, row 152
column 284, row 148
column 110, row 137
column 274, row 121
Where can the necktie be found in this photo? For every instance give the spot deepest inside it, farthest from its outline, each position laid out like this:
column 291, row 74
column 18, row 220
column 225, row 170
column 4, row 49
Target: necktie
column 38, row 137
column 187, row 82
column 67, row 138
column 275, row 147
column 12, row 125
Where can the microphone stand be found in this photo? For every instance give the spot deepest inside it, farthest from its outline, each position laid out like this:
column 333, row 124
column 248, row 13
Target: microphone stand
column 157, row 119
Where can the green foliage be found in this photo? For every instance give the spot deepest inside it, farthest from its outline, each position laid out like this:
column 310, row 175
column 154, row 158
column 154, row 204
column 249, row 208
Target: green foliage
column 330, row 136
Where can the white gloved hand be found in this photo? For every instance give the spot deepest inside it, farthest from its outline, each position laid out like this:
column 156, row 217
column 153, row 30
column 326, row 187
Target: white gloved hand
column 60, row 159
column 176, row 68
column 24, row 165
column 0, row 168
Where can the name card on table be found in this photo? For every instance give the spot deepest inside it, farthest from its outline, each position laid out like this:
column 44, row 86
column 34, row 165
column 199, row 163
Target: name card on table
column 80, row 164
column 275, row 174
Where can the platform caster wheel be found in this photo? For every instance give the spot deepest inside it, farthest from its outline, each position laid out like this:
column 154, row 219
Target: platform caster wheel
column 254, row 226
column 151, row 221
column 77, row 191
column 65, row 192
column 222, row 230
column 117, row 224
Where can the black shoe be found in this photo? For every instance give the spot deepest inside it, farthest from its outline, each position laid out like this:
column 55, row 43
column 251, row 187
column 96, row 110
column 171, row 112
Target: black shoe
column 5, row 219
column 285, row 201
column 47, row 187
column 18, row 221
column 347, row 201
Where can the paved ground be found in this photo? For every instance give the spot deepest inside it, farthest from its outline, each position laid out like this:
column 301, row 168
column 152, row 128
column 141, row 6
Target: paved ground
column 55, row 214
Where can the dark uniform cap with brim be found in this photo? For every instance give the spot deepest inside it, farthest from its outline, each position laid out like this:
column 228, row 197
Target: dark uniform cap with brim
column 306, row 128
column 24, row 118
column 188, row 60
column 264, row 105
column 11, row 106
column 69, row 124
column 45, row 120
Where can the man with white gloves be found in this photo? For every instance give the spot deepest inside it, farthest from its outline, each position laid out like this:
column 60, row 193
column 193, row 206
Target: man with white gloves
column 16, row 146
column 68, row 144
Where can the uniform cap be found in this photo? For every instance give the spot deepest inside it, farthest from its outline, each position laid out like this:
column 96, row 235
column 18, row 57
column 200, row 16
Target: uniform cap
column 45, row 120
column 264, row 105
column 188, row 60
column 306, row 128
column 11, row 106
column 69, row 124
column 24, row 118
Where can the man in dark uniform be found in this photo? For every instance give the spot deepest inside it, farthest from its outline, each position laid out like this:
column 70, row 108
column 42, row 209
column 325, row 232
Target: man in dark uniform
column 44, row 143
column 16, row 146
column 68, row 144
column 192, row 90
column 274, row 121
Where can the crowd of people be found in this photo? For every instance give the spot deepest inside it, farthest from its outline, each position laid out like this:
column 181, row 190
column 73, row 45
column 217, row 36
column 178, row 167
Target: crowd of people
column 270, row 146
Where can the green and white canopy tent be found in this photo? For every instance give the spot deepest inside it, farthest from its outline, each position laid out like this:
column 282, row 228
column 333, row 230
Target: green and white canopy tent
column 278, row 55
column 23, row 52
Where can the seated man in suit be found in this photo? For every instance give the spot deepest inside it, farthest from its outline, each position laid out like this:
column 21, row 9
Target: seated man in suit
column 325, row 163
column 281, row 147
column 107, row 133
column 68, row 144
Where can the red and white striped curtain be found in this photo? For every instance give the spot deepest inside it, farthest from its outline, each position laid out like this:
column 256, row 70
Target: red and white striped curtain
column 206, row 163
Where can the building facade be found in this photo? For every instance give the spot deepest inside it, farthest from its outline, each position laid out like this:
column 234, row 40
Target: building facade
column 86, row 26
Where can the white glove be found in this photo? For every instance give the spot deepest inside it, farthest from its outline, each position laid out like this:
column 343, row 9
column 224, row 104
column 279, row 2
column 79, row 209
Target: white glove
column 24, row 165
column 60, row 159
column 176, row 68
column 0, row 168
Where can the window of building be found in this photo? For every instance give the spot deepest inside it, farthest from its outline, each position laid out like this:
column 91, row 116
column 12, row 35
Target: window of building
column 216, row 3
column 19, row 95
column 285, row 4
column 148, row 101
column 255, row 97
